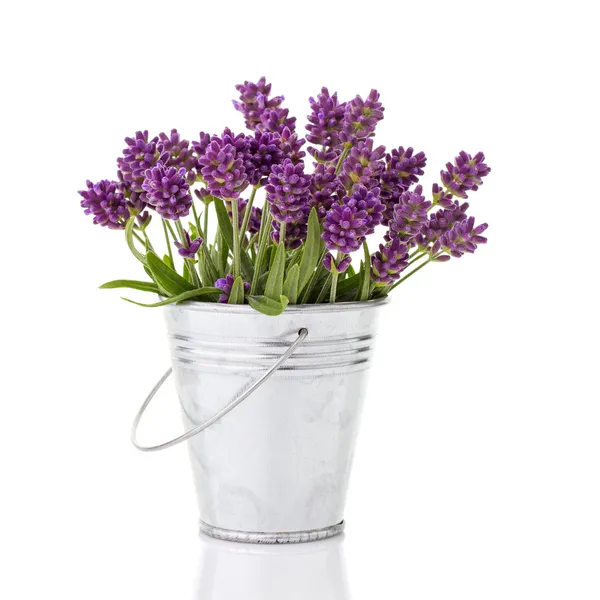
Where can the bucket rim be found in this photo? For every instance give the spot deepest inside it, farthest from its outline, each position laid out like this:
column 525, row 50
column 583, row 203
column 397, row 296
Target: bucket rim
column 217, row 307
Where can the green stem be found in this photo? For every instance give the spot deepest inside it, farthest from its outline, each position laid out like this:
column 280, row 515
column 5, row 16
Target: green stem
column 190, row 263
column 263, row 243
column 407, row 276
column 147, row 240
column 343, row 155
column 237, row 259
column 247, row 212
column 138, row 238
column 416, row 258
column 324, row 289
column 167, row 240
column 313, row 278
column 206, row 223
column 196, row 218
column 282, row 233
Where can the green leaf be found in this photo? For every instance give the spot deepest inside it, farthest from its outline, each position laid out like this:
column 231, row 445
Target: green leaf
column 350, row 272
column 237, row 292
column 349, row 285
column 207, row 291
column 167, row 260
column 131, row 243
column 365, row 268
column 144, row 286
column 312, row 249
column 267, row 306
column 227, row 231
column 290, row 286
column 274, row 285
column 167, row 278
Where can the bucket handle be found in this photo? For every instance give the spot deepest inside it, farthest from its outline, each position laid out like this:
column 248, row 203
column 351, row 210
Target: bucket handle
column 227, row 409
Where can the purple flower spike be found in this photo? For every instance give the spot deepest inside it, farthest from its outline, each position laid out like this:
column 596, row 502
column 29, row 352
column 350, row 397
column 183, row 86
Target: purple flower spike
column 275, row 120
column 141, row 154
column 362, row 166
column 346, row 227
column 465, row 174
column 167, row 191
column 410, row 216
column 179, row 151
column 323, row 186
column 143, row 219
column 225, row 284
column 368, row 200
column 361, row 117
column 341, row 267
column 106, row 202
column 190, row 248
column 295, row 233
column 326, row 120
column 288, row 191
column 441, row 197
column 201, row 145
column 262, row 152
column 254, row 101
column 402, row 169
column 389, row 261
column 223, row 169
column 462, row 238
column 291, row 146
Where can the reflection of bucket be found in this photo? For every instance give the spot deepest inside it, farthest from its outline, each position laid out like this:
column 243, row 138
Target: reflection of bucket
column 276, row 468
column 234, row 571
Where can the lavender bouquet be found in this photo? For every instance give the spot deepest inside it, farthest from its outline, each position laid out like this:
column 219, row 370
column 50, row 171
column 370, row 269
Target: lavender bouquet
column 298, row 248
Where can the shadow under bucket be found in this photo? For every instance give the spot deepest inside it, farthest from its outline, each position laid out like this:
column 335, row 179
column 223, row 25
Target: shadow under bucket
column 275, row 468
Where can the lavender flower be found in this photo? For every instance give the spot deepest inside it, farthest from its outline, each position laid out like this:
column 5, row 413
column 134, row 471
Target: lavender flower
column 262, row 152
column 462, row 238
column 141, row 154
column 189, row 248
column 345, row 226
column 410, row 216
column 402, row 169
column 223, row 168
column 201, row 145
column 143, row 219
column 295, row 233
column 362, row 165
column 323, row 185
column 167, row 191
column 291, row 146
column 326, row 120
column 341, row 267
column 465, row 174
column 225, row 284
column 361, row 117
column 105, row 200
column 440, row 222
column 441, row 197
column 389, row 261
column 179, row 151
column 254, row 101
column 288, row 191
column 275, row 120
column 368, row 200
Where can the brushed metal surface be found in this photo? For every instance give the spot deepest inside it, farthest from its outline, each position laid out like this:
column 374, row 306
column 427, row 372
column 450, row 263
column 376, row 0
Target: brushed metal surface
column 280, row 462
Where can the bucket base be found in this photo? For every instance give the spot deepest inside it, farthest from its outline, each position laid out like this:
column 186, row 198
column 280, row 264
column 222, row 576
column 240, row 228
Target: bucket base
column 293, row 537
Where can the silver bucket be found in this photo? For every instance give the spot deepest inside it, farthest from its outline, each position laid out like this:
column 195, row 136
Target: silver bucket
column 276, row 469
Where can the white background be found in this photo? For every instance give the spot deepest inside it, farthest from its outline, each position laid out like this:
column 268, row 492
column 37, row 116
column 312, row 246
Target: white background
column 477, row 474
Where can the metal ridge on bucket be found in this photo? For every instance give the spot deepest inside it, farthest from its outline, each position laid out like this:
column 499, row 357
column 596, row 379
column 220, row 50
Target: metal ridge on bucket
column 291, row 308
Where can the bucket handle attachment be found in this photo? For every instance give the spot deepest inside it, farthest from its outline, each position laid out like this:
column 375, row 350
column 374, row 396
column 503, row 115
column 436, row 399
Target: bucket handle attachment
column 225, row 410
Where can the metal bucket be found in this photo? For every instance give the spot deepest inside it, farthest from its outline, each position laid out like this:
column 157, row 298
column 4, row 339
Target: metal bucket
column 276, row 468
